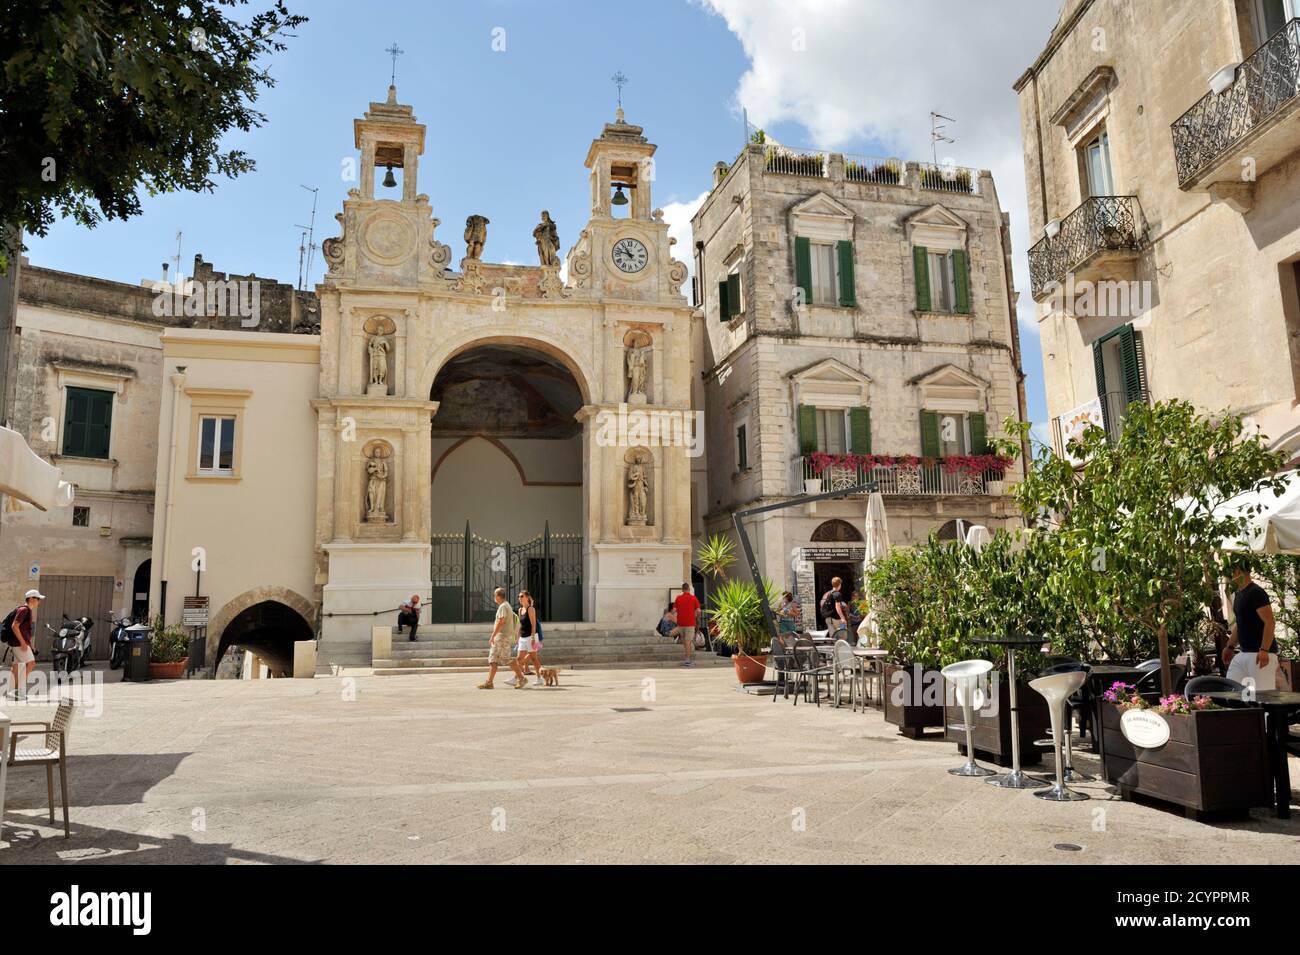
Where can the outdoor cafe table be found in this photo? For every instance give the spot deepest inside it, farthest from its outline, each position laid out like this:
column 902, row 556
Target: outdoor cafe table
column 1014, row 779
column 1279, row 707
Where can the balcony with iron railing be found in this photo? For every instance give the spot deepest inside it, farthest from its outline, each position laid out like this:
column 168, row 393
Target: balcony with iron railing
column 903, row 475
column 1092, row 242
column 1248, row 123
column 851, row 167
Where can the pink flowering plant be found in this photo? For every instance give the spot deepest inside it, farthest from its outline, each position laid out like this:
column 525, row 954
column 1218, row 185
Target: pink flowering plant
column 1126, row 697
column 995, row 464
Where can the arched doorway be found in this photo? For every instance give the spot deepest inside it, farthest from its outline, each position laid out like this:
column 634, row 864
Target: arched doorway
column 954, row 530
column 140, row 590
column 269, row 629
column 507, row 483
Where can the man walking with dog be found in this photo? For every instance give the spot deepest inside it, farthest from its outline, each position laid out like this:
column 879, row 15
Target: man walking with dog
column 18, row 626
column 501, row 645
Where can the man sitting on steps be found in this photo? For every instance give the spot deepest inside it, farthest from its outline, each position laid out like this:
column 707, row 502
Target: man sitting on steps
column 408, row 614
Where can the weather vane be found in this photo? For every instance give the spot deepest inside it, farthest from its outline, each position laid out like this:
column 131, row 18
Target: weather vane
column 619, row 80
column 394, row 51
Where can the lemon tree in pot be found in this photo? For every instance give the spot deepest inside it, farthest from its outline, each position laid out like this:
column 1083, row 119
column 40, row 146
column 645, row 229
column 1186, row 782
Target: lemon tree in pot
column 737, row 614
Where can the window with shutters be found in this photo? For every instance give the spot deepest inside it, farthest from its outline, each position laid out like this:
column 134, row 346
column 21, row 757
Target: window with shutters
column 943, row 295
column 946, row 434
column 1120, row 372
column 742, row 448
column 87, row 422
column 825, row 278
column 832, row 431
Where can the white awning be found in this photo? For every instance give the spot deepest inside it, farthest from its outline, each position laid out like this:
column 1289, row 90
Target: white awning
column 1275, row 528
column 26, row 477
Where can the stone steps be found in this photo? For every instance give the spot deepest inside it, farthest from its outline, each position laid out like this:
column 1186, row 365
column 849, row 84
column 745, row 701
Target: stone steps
column 702, row 661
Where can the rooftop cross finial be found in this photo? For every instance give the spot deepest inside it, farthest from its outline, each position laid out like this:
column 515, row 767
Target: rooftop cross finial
column 394, row 51
column 619, row 80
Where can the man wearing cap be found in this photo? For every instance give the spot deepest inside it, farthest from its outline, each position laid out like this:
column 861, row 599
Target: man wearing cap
column 20, row 638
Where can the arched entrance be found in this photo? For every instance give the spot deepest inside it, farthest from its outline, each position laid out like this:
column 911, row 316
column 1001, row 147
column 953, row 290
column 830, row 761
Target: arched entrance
column 269, row 629
column 140, row 590
column 507, row 482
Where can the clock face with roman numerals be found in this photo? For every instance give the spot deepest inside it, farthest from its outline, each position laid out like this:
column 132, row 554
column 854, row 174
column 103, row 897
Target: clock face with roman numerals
column 630, row 255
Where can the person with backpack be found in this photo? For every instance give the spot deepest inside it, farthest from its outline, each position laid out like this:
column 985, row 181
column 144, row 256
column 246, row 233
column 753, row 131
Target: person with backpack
column 834, row 610
column 18, row 626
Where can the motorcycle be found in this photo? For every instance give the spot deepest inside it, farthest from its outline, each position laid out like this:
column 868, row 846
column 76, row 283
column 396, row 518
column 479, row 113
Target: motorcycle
column 118, row 641
column 70, row 649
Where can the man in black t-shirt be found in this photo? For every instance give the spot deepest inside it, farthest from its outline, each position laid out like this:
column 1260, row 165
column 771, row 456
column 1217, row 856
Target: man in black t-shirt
column 1256, row 664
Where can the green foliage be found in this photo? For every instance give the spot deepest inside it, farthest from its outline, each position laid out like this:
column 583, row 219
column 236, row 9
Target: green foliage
column 716, row 555
column 1134, row 540
column 1279, row 574
column 101, row 99
column 758, row 137
column 735, row 608
column 169, row 644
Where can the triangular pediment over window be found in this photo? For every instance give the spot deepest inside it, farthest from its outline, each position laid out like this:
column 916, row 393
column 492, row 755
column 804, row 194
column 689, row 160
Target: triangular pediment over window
column 822, row 217
column 830, row 383
column 937, row 227
column 820, row 204
column 948, row 387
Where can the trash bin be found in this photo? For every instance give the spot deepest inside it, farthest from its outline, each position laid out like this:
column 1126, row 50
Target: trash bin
column 137, row 653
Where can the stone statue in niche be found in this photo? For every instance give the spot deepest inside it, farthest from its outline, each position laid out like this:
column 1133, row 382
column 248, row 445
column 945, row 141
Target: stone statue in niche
column 378, row 349
column 475, row 236
column 638, row 356
column 377, row 491
column 547, row 237
column 638, row 493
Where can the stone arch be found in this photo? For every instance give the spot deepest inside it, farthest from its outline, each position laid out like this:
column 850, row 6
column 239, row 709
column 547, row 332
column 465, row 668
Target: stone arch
column 544, row 342
column 836, row 531
column 231, row 609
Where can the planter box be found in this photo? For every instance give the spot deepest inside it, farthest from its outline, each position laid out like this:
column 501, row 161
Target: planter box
column 167, row 671
column 1215, row 760
column 992, row 731
column 913, row 709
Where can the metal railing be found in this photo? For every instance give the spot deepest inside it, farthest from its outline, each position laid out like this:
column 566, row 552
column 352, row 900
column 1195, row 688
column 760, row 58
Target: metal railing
column 789, row 161
column 921, row 478
column 945, row 178
column 884, row 172
column 1266, row 81
column 1100, row 224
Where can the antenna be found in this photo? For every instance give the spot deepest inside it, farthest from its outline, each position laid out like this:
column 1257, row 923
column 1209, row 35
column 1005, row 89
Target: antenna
column 938, row 133
column 309, row 246
column 179, row 276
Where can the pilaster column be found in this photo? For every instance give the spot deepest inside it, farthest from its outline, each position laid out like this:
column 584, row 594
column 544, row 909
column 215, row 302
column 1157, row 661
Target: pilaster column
column 411, row 497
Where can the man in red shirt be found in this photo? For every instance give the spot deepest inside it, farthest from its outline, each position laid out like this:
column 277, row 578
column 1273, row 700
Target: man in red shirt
column 686, row 606
column 20, row 639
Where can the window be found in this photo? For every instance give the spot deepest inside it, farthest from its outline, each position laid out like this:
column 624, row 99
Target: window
column 1096, row 167
column 824, row 271
column 81, row 517
column 830, row 430
column 943, row 292
column 942, row 280
column 1272, row 15
column 1120, row 370
column 731, row 296
column 742, row 449
column 947, row 434
column 87, row 422
column 216, row 444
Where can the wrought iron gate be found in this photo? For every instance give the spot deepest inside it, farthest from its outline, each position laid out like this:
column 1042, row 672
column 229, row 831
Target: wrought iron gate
column 466, row 569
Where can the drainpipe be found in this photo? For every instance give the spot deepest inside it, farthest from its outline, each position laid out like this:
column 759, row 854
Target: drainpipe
column 178, row 384
column 1022, row 405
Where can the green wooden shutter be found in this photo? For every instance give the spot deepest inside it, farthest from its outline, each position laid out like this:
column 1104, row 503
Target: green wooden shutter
column 921, row 269
column 807, row 429
column 929, row 434
column 1129, row 361
column 860, row 430
column 87, row 423
column 733, row 294
column 847, row 295
column 1099, row 371
column 979, row 441
column 961, row 280
column 724, row 305
column 803, row 267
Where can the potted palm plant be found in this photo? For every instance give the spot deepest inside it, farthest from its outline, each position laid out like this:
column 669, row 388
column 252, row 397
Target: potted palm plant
column 737, row 615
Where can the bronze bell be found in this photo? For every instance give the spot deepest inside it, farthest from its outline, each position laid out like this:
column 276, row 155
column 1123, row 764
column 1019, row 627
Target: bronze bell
column 619, row 199
column 390, row 182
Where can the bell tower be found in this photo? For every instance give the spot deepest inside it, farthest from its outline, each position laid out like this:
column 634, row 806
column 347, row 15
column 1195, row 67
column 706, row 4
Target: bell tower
column 389, row 137
column 622, row 169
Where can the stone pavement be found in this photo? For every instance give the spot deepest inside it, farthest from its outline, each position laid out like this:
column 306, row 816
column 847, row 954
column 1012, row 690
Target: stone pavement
column 613, row 766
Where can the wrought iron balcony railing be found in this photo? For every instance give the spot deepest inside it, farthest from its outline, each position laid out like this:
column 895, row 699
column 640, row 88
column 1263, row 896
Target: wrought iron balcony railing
column 1266, row 82
column 899, row 478
column 1100, row 224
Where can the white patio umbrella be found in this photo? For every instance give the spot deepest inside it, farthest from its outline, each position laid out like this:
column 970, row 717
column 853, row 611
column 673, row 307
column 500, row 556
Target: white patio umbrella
column 977, row 537
column 25, row 477
column 877, row 540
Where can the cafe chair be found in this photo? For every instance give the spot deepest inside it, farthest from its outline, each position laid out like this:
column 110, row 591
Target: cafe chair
column 48, row 749
column 1153, row 664
column 1150, row 681
column 846, row 664
column 1211, row 683
column 1056, row 689
column 965, row 678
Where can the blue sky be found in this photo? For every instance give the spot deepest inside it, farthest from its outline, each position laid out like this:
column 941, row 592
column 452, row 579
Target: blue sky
column 508, row 129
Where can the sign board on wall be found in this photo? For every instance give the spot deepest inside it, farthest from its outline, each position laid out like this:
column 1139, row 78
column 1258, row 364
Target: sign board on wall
column 195, row 612
column 1075, row 423
column 34, row 572
column 1144, row 728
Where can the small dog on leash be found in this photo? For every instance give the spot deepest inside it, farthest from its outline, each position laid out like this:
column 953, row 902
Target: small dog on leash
column 551, row 675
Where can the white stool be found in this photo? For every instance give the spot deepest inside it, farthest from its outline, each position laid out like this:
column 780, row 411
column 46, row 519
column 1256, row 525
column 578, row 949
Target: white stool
column 1056, row 689
column 965, row 678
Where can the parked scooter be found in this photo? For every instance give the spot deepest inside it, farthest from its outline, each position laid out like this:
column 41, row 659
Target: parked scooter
column 118, row 642
column 70, row 648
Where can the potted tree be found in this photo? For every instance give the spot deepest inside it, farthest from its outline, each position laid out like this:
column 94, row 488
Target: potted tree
column 737, row 616
column 169, row 651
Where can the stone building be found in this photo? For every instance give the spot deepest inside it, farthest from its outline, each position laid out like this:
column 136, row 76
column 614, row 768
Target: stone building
column 84, row 390
column 1161, row 145
column 448, row 430
column 858, row 317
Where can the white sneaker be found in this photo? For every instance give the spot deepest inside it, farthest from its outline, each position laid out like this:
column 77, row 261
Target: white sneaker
column 539, row 682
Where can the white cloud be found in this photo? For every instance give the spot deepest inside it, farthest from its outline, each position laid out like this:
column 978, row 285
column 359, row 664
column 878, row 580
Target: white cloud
column 849, row 70
column 678, row 216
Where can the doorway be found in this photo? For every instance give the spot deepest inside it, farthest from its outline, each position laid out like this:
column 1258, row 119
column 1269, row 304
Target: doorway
column 823, row 572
